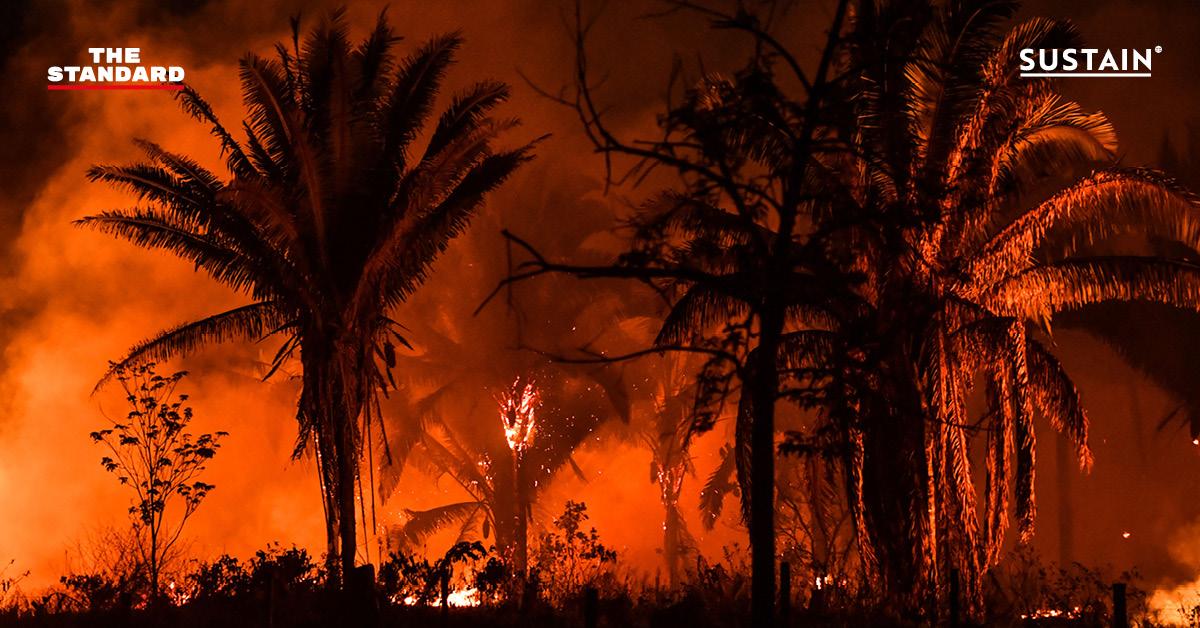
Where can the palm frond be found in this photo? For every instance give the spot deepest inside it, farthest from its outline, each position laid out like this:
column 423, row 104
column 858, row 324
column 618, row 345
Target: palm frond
column 464, row 115
column 411, row 99
column 419, row 525
column 719, row 484
column 701, row 307
column 1040, row 292
column 235, row 158
column 1098, row 207
column 1055, row 395
column 246, row 322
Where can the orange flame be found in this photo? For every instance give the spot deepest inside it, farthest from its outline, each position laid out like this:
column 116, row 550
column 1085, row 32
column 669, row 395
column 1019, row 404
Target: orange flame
column 517, row 412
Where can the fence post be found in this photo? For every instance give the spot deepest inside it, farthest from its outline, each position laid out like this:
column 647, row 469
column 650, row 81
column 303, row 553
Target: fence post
column 785, row 593
column 361, row 591
column 591, row 607
column 1119, row 618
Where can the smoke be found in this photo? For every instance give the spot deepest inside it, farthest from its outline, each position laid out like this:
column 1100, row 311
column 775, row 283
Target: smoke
column 72, row 300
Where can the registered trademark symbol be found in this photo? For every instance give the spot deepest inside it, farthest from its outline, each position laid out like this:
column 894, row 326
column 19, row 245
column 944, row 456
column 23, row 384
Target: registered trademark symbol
column 1158, row 49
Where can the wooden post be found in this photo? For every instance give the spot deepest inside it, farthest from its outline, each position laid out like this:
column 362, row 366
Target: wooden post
column 271, row 600
column 445, row 584
column 1119, row 618
column 954, row 599
column 361, row 595
column 785, row 594
column 591, row 607
column 816, row 603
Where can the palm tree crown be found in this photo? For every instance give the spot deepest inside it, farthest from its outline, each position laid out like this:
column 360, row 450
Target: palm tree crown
column 970, row 193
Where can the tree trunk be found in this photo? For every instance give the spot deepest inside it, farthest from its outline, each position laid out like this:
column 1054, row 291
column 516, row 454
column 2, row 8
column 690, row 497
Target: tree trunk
column 671, row 542
column 821, row 543
column 347, row 478
column 521, row 519
column 332, row 406
column 326, row 455
column 506, row 510
column 895, row 488
column 154, row 561
column 764, row 391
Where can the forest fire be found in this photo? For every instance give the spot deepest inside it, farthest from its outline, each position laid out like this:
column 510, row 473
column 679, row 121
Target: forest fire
column 464, row 597
column 774, row 300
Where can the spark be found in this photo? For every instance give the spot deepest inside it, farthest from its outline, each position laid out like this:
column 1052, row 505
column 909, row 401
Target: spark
column 1125, row 535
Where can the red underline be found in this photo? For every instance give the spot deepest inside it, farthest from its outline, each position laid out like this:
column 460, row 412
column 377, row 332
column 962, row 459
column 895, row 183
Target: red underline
column 58, row 87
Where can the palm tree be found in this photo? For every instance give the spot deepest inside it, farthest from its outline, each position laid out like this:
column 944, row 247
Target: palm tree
column 504, row 462
column 669, row 437
column 965, row 205
column 329, row 220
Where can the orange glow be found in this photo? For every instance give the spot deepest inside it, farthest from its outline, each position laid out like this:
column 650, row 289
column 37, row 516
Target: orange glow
column 94, row 296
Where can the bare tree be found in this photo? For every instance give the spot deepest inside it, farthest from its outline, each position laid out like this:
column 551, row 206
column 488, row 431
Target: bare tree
column 154, row 455
column 733, row 243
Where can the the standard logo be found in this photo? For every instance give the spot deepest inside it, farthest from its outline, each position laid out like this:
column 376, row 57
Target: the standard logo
column 122, row 69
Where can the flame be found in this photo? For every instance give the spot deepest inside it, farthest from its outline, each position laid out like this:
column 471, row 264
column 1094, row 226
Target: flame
column 1176, row 607
column 178, row 595
column 517, row 410
column 1043, row 613
column 457, row 597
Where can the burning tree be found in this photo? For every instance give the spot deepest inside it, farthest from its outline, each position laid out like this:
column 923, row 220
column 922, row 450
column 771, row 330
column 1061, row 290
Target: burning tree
column 160, row 461
column 510, row 518
column 329, row 221
column 503, row 465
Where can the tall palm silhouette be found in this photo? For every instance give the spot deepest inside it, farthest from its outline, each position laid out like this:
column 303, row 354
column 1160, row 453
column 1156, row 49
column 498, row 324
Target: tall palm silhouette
column 668, row 436
column 966, row 203
column 329, row 220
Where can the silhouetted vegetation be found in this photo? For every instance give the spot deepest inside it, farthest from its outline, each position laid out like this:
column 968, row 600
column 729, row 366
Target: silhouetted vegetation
column 328, row 221
column 156, row 457
column 472, row 586
column 856, row 264
column 871, row 246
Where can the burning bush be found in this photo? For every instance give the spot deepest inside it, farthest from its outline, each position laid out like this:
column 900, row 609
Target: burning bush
column 570, row 560
column 412, row 581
